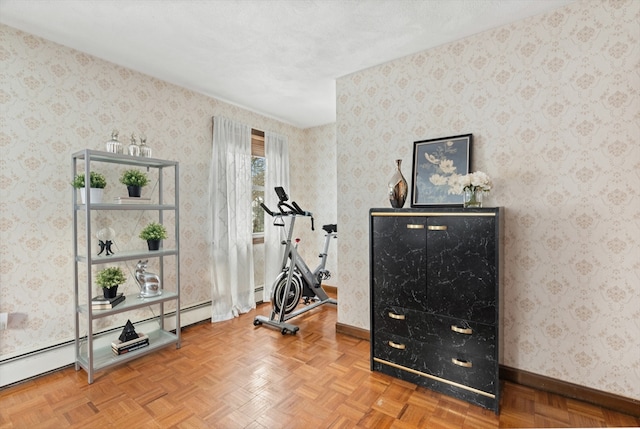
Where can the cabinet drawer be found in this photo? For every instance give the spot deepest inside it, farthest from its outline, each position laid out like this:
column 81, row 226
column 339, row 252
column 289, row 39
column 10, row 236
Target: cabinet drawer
column 456, row 335
column 445, row 365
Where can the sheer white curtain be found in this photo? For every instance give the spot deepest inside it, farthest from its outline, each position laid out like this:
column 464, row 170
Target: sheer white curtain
column 276, row 152
column 230, row 224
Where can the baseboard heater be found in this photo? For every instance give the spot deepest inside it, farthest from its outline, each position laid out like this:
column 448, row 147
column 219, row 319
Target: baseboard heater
column 25, row 366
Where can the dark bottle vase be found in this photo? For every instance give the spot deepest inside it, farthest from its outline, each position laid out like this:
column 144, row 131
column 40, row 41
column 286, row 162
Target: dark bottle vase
column 398, row 188
column 134, row 191
column 153, row 244
column 110, row 292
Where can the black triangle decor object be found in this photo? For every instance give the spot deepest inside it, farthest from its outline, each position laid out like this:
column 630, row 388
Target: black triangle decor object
column 128, row 333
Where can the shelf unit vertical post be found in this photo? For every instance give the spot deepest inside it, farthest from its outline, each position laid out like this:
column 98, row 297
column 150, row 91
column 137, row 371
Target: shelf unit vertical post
column 176, row 234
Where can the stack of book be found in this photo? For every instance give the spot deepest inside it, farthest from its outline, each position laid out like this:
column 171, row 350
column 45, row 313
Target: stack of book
column 102, row 303
column 120, row 348
column 132, row 200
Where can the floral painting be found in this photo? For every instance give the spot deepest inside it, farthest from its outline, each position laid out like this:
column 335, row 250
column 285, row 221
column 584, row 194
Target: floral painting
column 435, row 163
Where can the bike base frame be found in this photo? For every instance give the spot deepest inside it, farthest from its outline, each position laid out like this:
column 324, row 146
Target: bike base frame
column 288, row 328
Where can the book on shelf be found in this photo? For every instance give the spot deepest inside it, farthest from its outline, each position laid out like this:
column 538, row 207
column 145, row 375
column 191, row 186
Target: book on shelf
column 117, row 344
column 132, row 200
column 137, row 346
column 102, row 303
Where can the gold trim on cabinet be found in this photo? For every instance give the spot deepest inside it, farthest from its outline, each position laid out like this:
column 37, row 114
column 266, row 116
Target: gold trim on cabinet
column 409, row 214
column 396, row 345
column 396, row 316
column 433, row 377
column 462, row 363
column 467, row 331
column 437, row 227
column 414, row 226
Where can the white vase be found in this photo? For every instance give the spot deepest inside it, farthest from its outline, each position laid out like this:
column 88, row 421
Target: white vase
column 95, row 195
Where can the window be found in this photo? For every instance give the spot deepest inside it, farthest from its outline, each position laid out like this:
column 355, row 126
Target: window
column 258, row 169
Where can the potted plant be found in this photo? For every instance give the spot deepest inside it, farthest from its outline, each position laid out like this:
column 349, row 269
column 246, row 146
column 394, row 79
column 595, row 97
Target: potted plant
column 134, row 180
column 97, row 183
column 109, row 279
column 153, row 233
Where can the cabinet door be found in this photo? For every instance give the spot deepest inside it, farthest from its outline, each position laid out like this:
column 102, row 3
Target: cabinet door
column 398, row 260
column 461, row 267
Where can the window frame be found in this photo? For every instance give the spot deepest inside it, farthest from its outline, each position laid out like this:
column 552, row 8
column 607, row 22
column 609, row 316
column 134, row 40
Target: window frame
column 257, row 149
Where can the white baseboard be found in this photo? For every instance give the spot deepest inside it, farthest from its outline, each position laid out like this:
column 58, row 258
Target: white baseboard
column 43, row 361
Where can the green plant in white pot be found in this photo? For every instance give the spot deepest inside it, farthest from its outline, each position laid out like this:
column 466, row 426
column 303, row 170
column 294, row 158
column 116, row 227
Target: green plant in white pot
column 134, row 180
column 97, row 183
column 153, row 233
column 109, row 279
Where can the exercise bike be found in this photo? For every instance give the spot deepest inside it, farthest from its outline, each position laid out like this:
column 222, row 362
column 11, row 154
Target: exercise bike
column 296, row 281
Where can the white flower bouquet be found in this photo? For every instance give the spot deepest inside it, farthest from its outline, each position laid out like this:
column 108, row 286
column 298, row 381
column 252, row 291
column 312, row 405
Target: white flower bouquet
column 477, row 181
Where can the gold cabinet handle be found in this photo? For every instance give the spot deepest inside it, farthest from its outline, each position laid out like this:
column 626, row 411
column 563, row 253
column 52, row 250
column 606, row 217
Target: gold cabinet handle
column 396, row 345
column 462, row 363
column 414, row 226
column 467, row 331
column 396, row 316
column 437, row 227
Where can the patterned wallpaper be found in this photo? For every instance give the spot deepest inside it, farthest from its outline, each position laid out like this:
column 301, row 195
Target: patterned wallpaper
column 313, row 187
column 553, row 104
column 56, row 101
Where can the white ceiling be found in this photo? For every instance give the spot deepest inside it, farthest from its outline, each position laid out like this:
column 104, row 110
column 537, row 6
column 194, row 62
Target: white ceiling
column 276, row 57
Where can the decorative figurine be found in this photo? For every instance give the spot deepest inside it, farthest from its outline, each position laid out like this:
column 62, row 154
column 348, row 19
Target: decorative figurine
column 113, row 145
column 134, row 149
column 145, row 150
column 105, row 246
column 128, row 333
column 149, row 282
column 105, row 240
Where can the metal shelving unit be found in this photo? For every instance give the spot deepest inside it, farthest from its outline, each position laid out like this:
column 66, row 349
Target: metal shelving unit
column 93, row 356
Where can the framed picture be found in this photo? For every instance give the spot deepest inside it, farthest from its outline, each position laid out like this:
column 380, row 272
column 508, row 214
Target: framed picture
column 434, row 162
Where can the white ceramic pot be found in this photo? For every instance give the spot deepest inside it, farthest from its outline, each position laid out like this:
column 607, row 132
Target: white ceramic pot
column 96, row 195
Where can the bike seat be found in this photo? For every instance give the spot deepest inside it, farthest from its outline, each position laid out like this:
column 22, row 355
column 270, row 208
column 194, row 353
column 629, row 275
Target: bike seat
column 330, row 228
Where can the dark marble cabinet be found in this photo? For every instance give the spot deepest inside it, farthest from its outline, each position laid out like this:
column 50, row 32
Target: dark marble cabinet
column 435, row 299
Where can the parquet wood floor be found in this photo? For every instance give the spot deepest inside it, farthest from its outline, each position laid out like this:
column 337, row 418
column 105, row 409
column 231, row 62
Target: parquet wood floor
column 233, row 375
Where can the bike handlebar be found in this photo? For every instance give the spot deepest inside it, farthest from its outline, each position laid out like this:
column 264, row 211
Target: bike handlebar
column 294, row 210
column 266, row 209
column 300, row 211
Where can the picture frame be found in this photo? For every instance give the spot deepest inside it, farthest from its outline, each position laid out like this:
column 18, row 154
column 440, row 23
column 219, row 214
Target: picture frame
column 434, row 162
